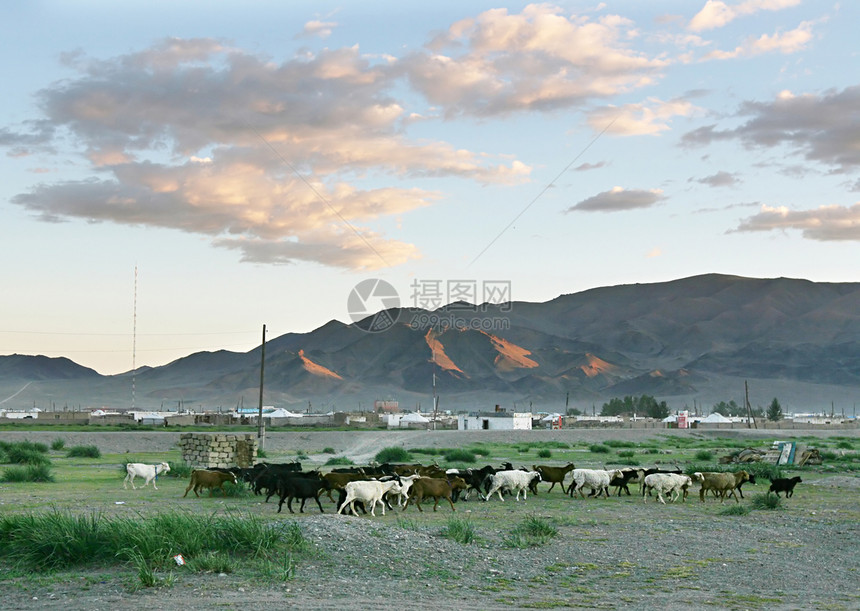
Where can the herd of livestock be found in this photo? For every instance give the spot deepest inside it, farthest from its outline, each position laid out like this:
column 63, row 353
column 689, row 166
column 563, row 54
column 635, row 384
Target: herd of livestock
column 401, row 484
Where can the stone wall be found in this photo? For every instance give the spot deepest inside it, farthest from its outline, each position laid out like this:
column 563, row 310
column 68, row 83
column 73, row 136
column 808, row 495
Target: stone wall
column 224, row 450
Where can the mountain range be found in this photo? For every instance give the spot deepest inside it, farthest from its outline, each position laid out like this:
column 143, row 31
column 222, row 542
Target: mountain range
column 691, row 342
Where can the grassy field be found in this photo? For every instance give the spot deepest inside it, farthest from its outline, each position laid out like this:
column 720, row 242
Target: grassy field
column 86, row 495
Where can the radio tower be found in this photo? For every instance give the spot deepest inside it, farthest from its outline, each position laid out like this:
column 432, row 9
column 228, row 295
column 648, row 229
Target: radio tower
column 134, row 339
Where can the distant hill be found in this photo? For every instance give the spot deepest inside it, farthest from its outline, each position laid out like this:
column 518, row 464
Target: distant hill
column 694, row 340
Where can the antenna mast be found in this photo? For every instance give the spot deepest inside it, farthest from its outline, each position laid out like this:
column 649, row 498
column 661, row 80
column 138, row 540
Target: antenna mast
column 134, row 339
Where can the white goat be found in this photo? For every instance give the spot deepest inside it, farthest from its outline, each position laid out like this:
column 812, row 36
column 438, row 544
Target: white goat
column 512, row 481
column 147, row 472
column 367, row 492
column 670, row 484
column 595, row 479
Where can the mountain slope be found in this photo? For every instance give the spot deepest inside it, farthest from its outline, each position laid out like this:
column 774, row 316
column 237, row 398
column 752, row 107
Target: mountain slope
column 691, row 339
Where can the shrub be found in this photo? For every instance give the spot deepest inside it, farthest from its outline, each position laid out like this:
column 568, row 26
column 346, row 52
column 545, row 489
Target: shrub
column 460, row 530
column 531, row 532
column 615, row 443
column 735, row 510
column 179, row 471
column 26, row 456
column 626, row 454
column 84, row 452
column 328, row 451
column 261, row 453
column 480, row 451
column 544, row 454
column 393, row 454
column 704, row 455
column 599, row 449
column 28, row 473
column 58, row 444
column 845, row 445
column 766, row 501
column 338, row 460
column 460, row 456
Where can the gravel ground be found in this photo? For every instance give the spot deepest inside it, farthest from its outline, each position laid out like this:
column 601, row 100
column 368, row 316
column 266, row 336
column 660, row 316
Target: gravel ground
column 609, row 553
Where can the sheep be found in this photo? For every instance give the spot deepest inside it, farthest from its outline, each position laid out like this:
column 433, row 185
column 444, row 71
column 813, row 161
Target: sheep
column 784, row 484
column 149, row 473
column 368, row 492
column 595, row 479
column 721, row 483
column 554, row 475
column 670, row 484
column 514, row 480
column 201, row 478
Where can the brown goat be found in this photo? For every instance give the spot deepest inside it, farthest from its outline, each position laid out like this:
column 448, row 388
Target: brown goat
column 555, row 475
column 201, row 478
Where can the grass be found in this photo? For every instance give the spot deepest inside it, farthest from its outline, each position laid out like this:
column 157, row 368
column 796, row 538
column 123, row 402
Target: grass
column 393, row 454
column 52, row 541
column 84, row 452
column 766, row 501
column 531, row 532
column 460, row 456
column 28, row 473
column 461, row 530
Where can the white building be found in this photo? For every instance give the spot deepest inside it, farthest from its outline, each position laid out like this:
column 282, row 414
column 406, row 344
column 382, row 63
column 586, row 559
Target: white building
column 495, row 421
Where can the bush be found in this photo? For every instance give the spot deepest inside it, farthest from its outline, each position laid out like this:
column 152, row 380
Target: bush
column 28, row 473
column 766, row 501
column 480, row 451
column 544, row 454
column 735, row 510
column 531, row 532
column 615, row 443
column 393, row 454
column 58, row 444
column 845, row 445
column 599, row 449
column 328, row 451
column 626, row 454
column 338, row 460
column 84, row 452
column 460, row 456
column 704, row 455
column 460, row 530
column 180, row 471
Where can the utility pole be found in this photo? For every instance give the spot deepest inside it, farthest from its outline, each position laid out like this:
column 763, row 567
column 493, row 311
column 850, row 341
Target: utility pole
column 750, row 417
column 260, row 434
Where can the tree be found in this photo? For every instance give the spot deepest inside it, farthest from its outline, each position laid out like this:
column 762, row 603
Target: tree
column 774, row 411
column 645, row 405
column 728, row 409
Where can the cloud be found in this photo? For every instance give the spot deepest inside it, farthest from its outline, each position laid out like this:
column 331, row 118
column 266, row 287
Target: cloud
column 785, row 42
column 648, row 118
column 266, row 158
column 538, row 59
column 826, row 223
column 824, row 128
column 619, row 199
column 716, row 14
column 720, row 179
column 321, row 29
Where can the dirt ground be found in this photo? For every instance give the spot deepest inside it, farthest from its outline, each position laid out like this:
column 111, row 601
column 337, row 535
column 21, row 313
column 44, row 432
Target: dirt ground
column 617, row 553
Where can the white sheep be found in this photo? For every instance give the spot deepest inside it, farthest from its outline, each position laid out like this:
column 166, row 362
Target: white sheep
column 367, row 492
column 595, row 479
column 672, row 485
column 511, row 481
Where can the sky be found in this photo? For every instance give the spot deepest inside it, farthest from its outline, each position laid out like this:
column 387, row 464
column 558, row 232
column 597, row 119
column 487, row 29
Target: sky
column 175, row 175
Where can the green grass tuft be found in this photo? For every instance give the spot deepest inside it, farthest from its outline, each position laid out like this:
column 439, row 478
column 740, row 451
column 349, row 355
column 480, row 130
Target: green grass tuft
column 84, row 452
column 461, row 530
column 393, row 454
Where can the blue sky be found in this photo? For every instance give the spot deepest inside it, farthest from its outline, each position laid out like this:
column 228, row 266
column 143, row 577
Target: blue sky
column 256, row 162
